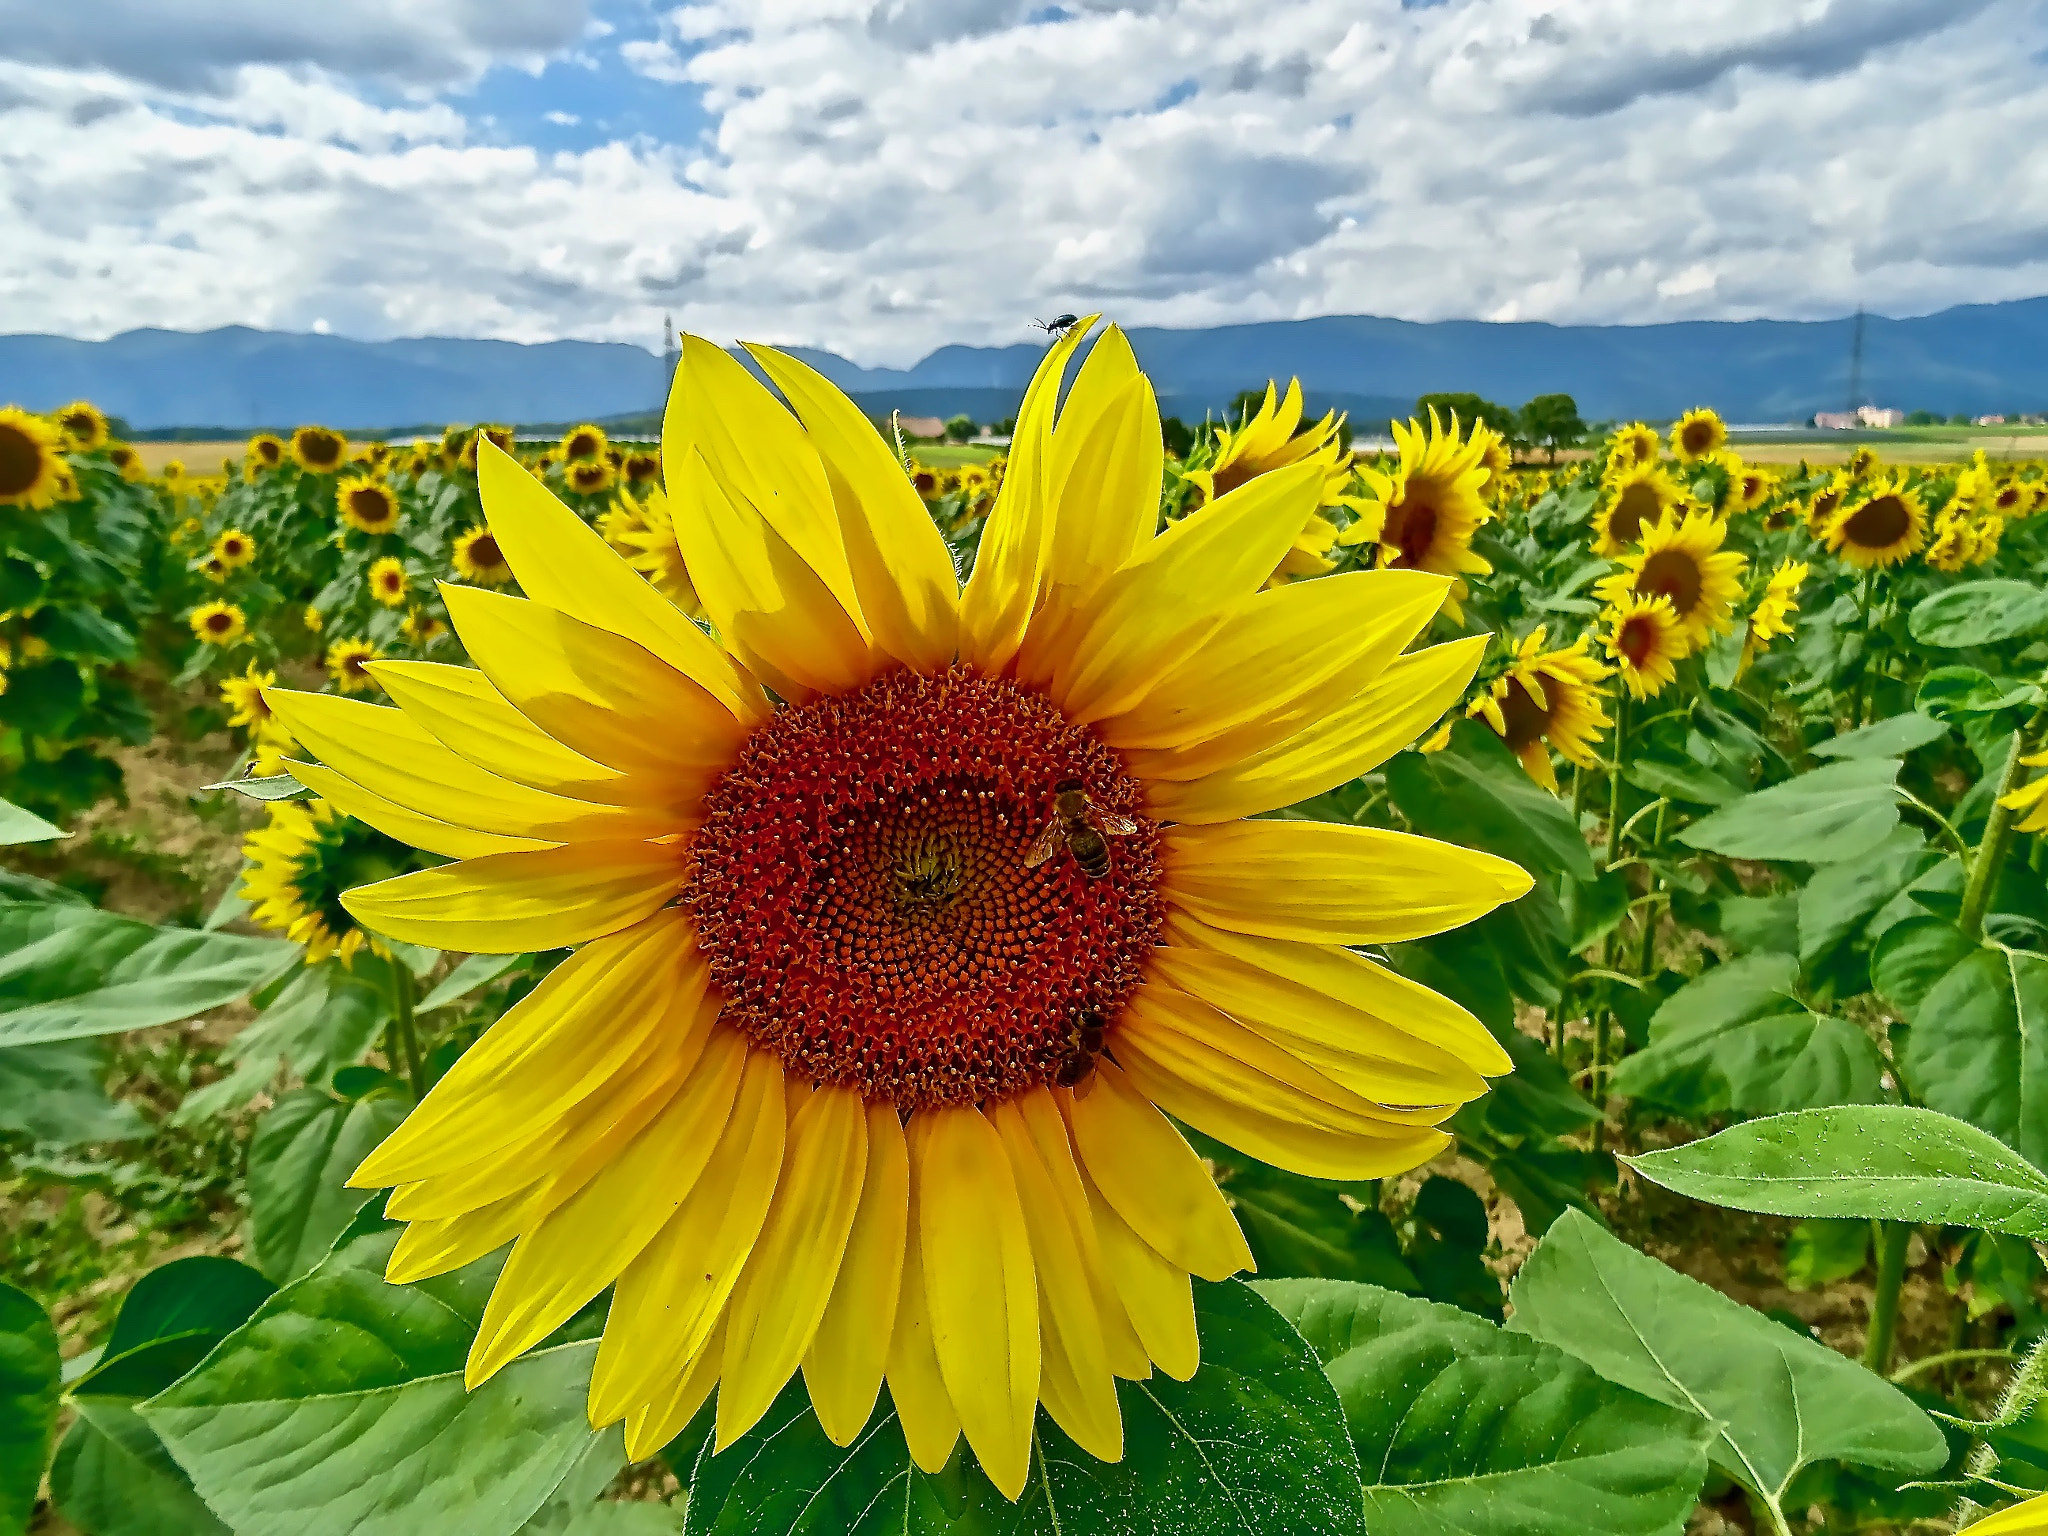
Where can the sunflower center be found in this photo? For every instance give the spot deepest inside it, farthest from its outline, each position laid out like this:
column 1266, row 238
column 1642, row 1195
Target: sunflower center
column 321, row 448
column 865, row 893
column 1526, row 720
column 1637, row 640
column 1878, row 523
column 1698, row 437
column 483, row 550
column 1413, row 531
column 21, row 460
column 1673, row 574
column 1631, row 507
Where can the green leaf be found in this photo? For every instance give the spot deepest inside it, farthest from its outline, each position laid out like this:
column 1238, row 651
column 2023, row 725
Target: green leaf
column 1475, row 792
column 28, row 1403
column 1820, row 1250
column 1822, row 817
column 168, row 1321
column 1884, row 738
column 278, row 786
column 1302, row 1226
column 1254, row 1444
column 1761, row 924
column 1912, row 956
column 1464, row 1427
column 1688, row 783
column 474, row 972
column 1840, row 898
column 113, row 1477
column 1979, row 1050
column 340, row 1406
column 20, row 826
column 1980, row 613
column 1780, row 1401
column 1949, row 692
column 1893, row 1162
column 303, row 1150
column 56, row 1094
column 68, row 971
column 324, row 1018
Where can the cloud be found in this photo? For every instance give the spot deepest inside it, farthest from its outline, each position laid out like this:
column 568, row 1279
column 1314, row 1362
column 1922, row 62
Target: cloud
column 882, row 176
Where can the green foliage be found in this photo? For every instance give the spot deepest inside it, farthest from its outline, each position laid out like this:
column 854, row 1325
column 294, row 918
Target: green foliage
column 28, row 1403
column 303, row 1150
column 1822, row 817
column 1551, row 421
column 1468, row 408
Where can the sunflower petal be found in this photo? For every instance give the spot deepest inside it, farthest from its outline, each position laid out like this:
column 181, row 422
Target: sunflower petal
column 654, row 1424
column 1108, row 461
column 849, row 1353
column 428, row 1248
column 408, row 826
column 1157, row 1296
column 931, row 1425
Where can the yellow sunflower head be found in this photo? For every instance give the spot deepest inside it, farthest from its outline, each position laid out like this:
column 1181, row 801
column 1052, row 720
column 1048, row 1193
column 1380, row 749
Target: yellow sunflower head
column 313, row 620
column 1271, row 438
column 641, row 469
column 1499, row 462
column 173, row 473
column 213, row 569
column 348, row 664
column 319, row 450
column 1548, row 700
column 1879, row 525
column 301, row 860
column 478, row 559
column 388, row 581
column 367, row 504
column 1952, row 542
column 1774, row 610
column 1820, row 511
column 1423, row 517
column 1647, row 641
column 1681, row 559
column 2031, row 801
column 1753, row 487
column 244, row 698
column 1636, row 443
column 1985, row 534
column 1862, row 460
column 265, row 451
column 1630, row 502
column 421, row 627
column 127, row 460
column 2011, row 499
column 219, row 624
column 589, row 477
column 83, row 426
column 911, row 918
column 642, row 530
column 234, row 548
column 30, row 458
column 585, row 442
column 1696, row 435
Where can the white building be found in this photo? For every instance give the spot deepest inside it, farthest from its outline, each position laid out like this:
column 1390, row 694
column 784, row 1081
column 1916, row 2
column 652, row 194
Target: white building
column 1880, row 416
column 1835, row 421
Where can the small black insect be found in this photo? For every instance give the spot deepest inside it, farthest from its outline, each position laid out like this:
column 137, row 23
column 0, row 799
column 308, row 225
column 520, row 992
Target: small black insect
column 1084, row 1044
column 1057, row 324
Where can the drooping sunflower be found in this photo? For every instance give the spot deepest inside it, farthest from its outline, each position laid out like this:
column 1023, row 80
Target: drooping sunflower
column 1952, row 542
column 368, row 505
column 217, row 623
column 233, row 548
column 1629, row 503
column 1499, row 460
column 854, row 1071
column 30, row 458
column 1881, row 527
column 2031, row 800
column 1696, row 435
column 1423, row 517
column 1862, row 460
column 1271, row 438
column 477, row 558
column 1647, row 641
column 585, row 442
column 84, row 427
column 1681, row 559
column 244, row 697
column 264, row 451
column 1985, row 534
column 388, row 581
column 589, row 477
column 348, row 663
column 301, row 860
column 642, row 530
column 1772, row 615
column 319, row 450
column 1636, row 443
column 1545, row 700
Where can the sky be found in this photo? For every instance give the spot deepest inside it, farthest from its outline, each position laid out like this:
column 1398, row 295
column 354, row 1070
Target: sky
column 885, row 176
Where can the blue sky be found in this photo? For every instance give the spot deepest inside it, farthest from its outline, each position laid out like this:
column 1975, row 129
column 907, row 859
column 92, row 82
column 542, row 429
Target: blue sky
column 885, row 176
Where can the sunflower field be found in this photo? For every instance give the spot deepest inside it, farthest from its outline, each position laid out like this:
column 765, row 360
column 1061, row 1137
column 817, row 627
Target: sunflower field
column 751, row 984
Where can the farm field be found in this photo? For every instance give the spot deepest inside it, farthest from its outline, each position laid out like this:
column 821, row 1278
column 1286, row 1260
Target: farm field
column 1576, row 934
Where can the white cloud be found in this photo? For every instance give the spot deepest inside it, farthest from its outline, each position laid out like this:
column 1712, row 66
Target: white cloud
column 887, row 175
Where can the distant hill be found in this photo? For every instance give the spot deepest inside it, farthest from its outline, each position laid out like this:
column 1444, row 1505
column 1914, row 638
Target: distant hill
column 1974, row 358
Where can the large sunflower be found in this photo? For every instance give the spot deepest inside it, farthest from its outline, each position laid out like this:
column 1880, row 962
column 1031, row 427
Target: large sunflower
column 889, row 982
column 1885, row 525
column 30, row 460
column 1548, row 699
column 1680, row 558
column 1424, row 516
column 1629, row 502
column 1698, row 434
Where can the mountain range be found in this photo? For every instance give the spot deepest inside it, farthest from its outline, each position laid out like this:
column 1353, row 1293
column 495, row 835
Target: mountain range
column 1972, row 358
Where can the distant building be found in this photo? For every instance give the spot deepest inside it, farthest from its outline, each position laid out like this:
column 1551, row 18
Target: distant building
column 921, row 426
column 1880, row 416
column 1836, row 421
column 1987, row 421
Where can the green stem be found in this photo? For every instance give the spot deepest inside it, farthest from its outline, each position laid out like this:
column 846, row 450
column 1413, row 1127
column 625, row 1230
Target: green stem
column 1884, row 1303
column 1946, row 1357
column 1997, row 832
column 1615, row 780
column 405, row 1031
column 1603, row 1021
column 2028, row 1385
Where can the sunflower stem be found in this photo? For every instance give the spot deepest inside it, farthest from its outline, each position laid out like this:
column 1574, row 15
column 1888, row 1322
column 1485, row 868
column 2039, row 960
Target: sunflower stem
column 1884, row 1301
column 405, row 1031
column 1997, row 832
column 1596, row 1079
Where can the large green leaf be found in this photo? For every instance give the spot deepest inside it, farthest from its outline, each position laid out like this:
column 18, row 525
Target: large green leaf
column 28, row 1403
column 1254, row 1444
column 1884, row 738
column 56, row 1093
column 340, row 1406
column 1980, row 613
column 1841, row 898
column 1912, row 956
column 1780, row 1401
column 1476, row 793
column 303, row 1150
column 324, row 1018
column 20, row 826
column 67, row 971
column 1302, row 1226
column 1833, row 813
column 1978, row 1049
column 1464, row 1427
column 1737, row 1038
column 1895, row 1162
column 113, row 1477
column 475, row 971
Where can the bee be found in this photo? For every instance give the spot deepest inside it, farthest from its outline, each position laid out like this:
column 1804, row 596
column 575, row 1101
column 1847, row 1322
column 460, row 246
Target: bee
column 1081, row 825
column 1084, row 1044
column 1057, row 324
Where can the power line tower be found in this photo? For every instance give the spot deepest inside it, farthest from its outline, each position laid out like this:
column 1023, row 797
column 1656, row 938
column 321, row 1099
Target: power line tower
column 671, row 356
column 1856, row 363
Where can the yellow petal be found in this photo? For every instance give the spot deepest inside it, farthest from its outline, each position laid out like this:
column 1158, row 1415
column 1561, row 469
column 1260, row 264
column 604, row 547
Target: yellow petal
column 564, row 563
column 979, row 1286
column 1107, row 465
column 1381, row 719
column 1327, row 884
column 584, row 1244
column 1151, row 1177
column 588, row 1017
column 782, row 1294
column 902, row 571
column 916, row 1388
column 1158, row 1298
column 843, row 1368
column 605, row 697
column 509, row 903
column 667, row 1301
column 408, row 826
column 428, row 1248
column 652, row 1425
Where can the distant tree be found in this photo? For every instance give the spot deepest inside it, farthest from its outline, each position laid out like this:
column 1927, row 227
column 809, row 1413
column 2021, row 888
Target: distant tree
column 1470, row 408
column 1553, row 421
column 960, row 428
column 1961, row 420
column 1922, row 419
column 1244, row 405
column 1178, row 436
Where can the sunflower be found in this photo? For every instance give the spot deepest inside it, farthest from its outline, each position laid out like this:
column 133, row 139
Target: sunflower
column 301, row 860
column 586, row 442
column 1547, row 699
column 642, row 469
column 234, row 548
column 1499, row 462
column 1696, row 435
column 1629, row 503
column 421, row 627
column 1423, row 517
column 84, row 427
column 589, row 477
column 1821, row 510
column 347, row 663
column 313, row 620
column 173, row 474
column 1953, row 541
column 1681, row 559
column 264, row 451
column 477, row 558
column 213, row 569
column 1636, row 443
column 319, row 450
column 1772, row 615
column 1862, row 461
column 1647, row 640
column 67, row 485
column 1752, row 487
column 2031, row 800
column 29, row 460
column 367, row 504
column 1985, row 534
column 2011, row 499
column 217, row 623
column 244, row 697
column 388, row 583
column 1309, row 555
column 643, row 532
column 126, row 460
column 853, row 1070
column 1880, row 528
column 1272, row 438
